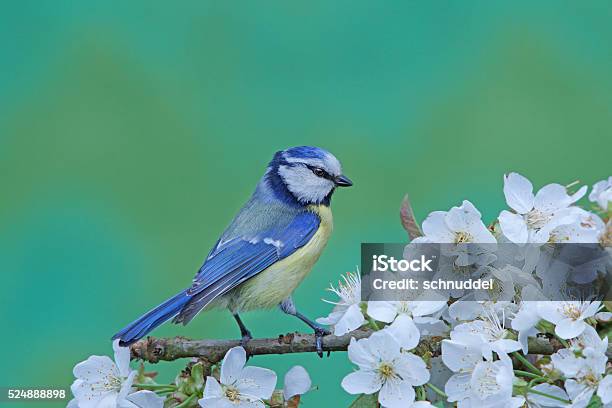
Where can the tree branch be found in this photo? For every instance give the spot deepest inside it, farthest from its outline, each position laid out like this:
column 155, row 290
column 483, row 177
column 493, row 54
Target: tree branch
column 154, row 349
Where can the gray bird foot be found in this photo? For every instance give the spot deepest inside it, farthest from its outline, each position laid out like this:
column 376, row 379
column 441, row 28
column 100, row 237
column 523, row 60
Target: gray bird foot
column 319, row 333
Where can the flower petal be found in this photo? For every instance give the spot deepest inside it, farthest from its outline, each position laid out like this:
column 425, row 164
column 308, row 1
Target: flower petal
column 256, row 381
column 126, row 386
column 579, row 393
column 88, row 396
column 361, row 382
column 216, row 402
column 513, row 227
column 519, row 193
column 405, row 332
column 359, row 354
column 591, row 309
column 232, row 364
column 332, row 318
column 212, row 389
column 297, row 382
column 422, row 404
column 427, row 307
column 351, row 320
column 249, row 403
column 122, row 358
column 460, row 357
column 382, row 311
column 568, row 328
column 383, row 345
column 434, row 228
column 605, row 390
column 396, row 394
column 95, row 369
column 542, row 401
column 109, row 401
column 458, row 387
column 412, row 369
column 566, row 361
column 550, row 311
column 553, row 197
column 143, row 399
column 506, row 346
column 460, row 218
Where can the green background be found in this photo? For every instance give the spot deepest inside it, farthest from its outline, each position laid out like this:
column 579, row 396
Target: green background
column 131, row 132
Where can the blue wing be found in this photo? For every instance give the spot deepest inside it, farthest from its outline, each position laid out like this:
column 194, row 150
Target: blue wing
column 237, row 259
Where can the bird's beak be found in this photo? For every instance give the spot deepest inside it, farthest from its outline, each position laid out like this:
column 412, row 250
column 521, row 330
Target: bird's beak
column 343, row 181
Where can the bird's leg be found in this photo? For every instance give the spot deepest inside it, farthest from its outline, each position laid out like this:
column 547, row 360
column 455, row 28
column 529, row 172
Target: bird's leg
column 288, row 307
column 244, row 332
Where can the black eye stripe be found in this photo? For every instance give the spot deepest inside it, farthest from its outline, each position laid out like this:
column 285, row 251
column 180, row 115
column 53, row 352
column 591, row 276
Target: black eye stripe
column 319, row 172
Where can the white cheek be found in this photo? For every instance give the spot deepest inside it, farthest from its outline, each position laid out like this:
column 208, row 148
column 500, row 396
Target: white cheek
column 305, row 185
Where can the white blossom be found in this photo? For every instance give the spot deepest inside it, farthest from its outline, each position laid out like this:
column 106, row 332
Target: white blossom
column 587, row 373
column 385, row 369
column 492, row 336
column 346, row 315
column 535, row 217
column 602, row 193
column 459, row 225
column 477, row 383
column 489, row 333
column 102, row 382
column 240, row 386
column 568, row 316
column 491, row 385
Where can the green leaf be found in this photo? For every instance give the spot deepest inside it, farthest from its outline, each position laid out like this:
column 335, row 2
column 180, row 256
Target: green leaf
column 439, row 404
column 197, row 376
column 595, row 402
column 365, row 401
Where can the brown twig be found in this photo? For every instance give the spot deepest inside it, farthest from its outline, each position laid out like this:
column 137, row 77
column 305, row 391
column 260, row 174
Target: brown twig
column 154, row 349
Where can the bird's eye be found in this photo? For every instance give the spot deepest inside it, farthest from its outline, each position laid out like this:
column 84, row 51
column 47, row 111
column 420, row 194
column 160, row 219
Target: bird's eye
column 318, row 172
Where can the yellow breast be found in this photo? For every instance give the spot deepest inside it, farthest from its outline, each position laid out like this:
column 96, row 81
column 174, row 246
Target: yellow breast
column 273, row 285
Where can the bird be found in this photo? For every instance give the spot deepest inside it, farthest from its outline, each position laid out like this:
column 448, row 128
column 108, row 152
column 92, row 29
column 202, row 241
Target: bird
column 267, row 250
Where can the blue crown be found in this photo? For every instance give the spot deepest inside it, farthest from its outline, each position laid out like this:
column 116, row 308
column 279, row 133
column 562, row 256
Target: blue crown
column 306, row 152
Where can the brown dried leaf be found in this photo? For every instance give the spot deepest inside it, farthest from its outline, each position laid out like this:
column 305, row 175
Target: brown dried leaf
column 408, row 220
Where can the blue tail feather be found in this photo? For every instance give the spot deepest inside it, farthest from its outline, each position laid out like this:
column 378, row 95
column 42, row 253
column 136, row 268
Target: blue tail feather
column 150, row 320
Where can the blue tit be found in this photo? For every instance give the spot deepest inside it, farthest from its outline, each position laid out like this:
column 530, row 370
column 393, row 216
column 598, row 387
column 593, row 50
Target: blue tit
column 266, row 251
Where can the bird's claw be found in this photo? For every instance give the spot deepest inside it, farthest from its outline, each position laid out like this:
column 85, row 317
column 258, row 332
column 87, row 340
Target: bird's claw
column 244, row 340
column 319, row 333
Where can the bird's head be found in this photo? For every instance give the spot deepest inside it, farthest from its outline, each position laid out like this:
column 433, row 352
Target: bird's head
column 309, row 174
